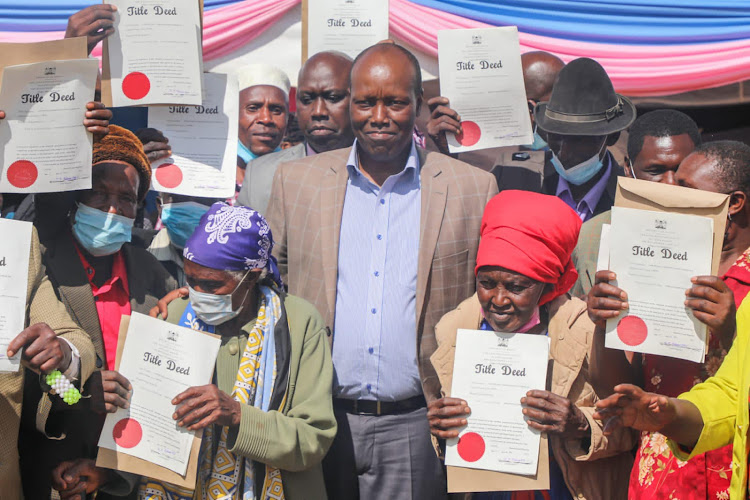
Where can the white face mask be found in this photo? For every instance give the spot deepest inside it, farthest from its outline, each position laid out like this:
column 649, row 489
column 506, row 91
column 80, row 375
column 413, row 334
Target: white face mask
column 632, row 170
column 215, row 309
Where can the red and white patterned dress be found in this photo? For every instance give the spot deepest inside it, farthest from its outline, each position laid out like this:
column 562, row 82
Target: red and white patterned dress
column 657, row 474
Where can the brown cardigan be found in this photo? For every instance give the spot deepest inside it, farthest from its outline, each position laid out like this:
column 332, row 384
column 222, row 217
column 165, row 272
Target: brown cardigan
column 600, row 472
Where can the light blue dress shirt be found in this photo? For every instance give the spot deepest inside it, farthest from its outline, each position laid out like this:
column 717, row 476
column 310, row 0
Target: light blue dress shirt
column 375, row 327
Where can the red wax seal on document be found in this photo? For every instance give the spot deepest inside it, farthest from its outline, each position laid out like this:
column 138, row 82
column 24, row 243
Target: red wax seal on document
column 632, row 330
column 136, row 85
column 470, row 134
column 127, row 433
column 169, row 175
column 22, row 174
column 470, row 447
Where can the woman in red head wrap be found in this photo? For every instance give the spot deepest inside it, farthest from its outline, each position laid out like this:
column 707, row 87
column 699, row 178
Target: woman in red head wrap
column 524, row 273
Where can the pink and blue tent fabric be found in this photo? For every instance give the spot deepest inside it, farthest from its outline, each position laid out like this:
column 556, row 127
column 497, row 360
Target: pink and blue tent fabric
column 649, row 47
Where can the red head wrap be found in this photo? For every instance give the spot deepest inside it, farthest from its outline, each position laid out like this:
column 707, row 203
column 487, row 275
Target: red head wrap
column 532, row 234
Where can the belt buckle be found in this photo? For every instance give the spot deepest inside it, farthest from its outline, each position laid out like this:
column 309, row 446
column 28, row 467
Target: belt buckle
column 377, row 408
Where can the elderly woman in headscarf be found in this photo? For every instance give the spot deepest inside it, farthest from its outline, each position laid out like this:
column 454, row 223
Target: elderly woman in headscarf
column 524, row 273
column 268, row 417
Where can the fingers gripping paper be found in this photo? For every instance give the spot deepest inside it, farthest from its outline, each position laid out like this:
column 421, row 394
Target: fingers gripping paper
column 497, row 450
column 661, row 236
column 144, row 439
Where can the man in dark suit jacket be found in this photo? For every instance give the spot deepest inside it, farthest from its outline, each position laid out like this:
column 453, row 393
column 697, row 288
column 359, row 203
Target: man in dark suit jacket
column 99, row 277
column 382, row 239
column 583, row 117
column 323, row 117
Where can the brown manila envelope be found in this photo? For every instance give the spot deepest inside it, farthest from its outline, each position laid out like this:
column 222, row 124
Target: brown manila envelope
column 657, row 197
column 465, row 480
column 12, row 54
column 461, row 480
column 111, row 459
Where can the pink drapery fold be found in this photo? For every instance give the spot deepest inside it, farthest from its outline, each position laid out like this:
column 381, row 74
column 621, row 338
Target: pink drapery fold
column 636, row 70
column 226, row 29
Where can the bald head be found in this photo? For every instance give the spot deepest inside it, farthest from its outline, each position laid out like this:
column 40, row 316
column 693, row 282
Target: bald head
column 388, row 54
column 325, row 61
column 540, row 71
column 323, row 101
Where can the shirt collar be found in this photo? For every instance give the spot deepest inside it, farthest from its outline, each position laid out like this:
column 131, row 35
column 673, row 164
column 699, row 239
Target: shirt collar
column 591, row 199
column 309, row 151
column 411, row 167
column 119, row 271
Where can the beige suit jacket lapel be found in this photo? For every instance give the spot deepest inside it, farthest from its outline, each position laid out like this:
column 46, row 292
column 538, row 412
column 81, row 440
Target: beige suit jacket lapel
column 332, row 194
column 434, row 190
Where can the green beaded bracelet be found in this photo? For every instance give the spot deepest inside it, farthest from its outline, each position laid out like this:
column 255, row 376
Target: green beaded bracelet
column 61, row 386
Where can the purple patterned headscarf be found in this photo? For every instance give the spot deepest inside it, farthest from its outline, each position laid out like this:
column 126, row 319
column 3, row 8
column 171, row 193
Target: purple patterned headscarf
column 232, row 238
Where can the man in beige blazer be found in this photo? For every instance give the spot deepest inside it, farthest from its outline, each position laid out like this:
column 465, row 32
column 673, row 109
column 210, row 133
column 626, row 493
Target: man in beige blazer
column 382, row 239
column 43, row 351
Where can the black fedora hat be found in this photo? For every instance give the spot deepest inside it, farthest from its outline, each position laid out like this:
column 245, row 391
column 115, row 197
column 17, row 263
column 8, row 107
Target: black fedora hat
column 584, row 102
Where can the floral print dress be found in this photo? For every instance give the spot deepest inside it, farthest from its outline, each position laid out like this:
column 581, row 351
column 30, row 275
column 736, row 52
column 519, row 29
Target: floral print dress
column 657, row 474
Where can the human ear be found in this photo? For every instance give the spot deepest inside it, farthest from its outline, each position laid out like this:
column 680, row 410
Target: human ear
column 737, row 203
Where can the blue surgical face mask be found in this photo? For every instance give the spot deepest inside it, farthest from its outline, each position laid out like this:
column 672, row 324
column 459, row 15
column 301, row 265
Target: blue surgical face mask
column 539, row 143
column 214, row 309
column 181, row 219
column 244, row 152
column 581, row 173
column 101, row 233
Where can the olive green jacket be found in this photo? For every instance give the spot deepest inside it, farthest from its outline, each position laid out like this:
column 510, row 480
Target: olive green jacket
column 295, row 439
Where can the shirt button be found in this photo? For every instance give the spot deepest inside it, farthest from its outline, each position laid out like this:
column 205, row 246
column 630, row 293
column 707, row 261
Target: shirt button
column 373, row 310
column 370, row 350
column 233, row 349
column 376, row 273
column 382, row 202
column 380, row 236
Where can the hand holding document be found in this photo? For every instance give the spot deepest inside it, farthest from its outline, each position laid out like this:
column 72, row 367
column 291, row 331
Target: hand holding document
column 347, row 26
column 655, row 254
column 15, row 246
column 492, row 372
column 481, row 75
column 46, row 100
column 155, row 54
column 160, row 360
column 203, row 141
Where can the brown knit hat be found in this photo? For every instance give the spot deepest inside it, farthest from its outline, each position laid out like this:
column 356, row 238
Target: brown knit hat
column 122, row 145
